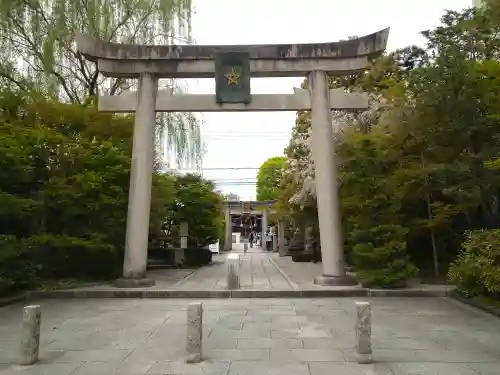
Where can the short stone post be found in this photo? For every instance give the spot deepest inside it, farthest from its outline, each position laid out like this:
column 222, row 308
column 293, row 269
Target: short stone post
column 281, row 239
column 194, row 333
column 308, row 241
column 264, row 223
column 30, row 335
column 275, row 239
column 364, row 332
column 233, row 271
column 228, row 239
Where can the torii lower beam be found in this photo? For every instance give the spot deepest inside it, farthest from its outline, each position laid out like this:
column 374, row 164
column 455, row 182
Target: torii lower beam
column 299, row 101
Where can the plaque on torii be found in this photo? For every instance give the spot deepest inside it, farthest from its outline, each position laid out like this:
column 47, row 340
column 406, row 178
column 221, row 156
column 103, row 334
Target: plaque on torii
column 246, row 207
column 232, row 77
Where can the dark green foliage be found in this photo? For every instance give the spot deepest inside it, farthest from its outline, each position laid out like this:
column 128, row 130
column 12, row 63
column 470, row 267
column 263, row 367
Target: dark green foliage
column 380, row 257
column 17, row 270
column 60, row 257
column 197, row 257
column 64, row 176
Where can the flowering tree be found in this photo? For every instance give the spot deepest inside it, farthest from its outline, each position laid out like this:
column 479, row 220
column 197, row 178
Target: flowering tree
column 301, row 170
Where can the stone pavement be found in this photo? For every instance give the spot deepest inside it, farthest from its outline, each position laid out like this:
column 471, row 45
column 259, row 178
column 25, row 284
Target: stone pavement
column 257, row 272
column 420, row 336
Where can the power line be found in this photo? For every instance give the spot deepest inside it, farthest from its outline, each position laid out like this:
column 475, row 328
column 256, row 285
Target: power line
column 258, row 131
column 221, row 169
column 243, row 179
column 236, row 183
column 246, row 135
column 242, row 139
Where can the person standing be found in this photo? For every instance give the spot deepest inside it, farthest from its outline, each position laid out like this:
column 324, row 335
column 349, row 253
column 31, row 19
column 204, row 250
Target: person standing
column 269, row 240
column 251, row 238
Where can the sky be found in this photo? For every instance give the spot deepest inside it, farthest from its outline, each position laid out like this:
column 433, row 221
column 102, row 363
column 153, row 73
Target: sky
column 247, row 139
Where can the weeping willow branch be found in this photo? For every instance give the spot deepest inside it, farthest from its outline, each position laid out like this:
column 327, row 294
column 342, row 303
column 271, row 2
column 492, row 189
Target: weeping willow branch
column 38, row 49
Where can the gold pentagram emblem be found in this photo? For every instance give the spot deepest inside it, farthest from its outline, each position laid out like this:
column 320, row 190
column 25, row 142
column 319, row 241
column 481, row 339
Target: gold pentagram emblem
column 233, row 77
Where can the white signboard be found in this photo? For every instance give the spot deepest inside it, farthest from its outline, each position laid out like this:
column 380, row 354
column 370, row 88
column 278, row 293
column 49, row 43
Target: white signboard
column 214, row 248
column 184, row 242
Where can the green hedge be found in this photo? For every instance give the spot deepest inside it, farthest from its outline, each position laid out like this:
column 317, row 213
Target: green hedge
column 23, row 263
column 380, row 257
column 197, row 257
column 476, row 271
column 17, row 271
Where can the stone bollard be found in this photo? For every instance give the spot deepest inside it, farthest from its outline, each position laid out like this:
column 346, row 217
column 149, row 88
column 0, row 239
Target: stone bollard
column 30, row 335
column 194, row 332
column 233, row 271
column 364, row 332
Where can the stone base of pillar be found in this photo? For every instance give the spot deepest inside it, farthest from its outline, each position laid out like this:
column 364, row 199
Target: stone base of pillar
column 335, row 280
column 284, row 252
column 134, row 283
column 365, row 359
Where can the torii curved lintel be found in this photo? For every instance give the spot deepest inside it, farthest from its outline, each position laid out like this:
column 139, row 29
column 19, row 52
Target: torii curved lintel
column 253, row 204
column 370, row 46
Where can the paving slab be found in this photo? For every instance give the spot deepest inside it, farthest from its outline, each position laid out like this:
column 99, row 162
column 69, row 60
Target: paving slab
column 315, row 336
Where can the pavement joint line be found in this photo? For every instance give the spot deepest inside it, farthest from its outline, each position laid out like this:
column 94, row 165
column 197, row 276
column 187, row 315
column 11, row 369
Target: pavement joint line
column 283, row 273
column 239, row 293
column 185, row 279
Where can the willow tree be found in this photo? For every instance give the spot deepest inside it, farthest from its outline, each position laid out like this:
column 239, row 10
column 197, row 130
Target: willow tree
column 38, row 51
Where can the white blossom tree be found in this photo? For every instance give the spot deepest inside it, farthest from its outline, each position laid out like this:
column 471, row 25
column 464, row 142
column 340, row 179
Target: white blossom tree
column 301, row 165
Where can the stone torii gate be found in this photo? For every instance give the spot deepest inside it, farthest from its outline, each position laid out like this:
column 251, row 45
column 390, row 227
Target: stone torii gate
column 232, row 67
column 250, row 207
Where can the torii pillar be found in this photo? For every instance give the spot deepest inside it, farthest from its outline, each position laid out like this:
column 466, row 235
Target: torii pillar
column 139, row 198
column 326, row 179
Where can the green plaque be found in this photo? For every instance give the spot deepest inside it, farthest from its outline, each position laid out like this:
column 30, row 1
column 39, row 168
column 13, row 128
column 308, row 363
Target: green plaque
column 232, row 77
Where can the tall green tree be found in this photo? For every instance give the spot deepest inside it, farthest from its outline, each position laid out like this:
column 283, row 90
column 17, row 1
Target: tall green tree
column 198, row 204
column 269, row 177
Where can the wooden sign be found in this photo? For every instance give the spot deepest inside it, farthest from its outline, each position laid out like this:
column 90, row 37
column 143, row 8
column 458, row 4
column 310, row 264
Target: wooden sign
column 246, row 207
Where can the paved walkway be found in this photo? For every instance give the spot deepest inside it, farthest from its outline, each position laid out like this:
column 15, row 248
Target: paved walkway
column 257, row 272
column 420, row 336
